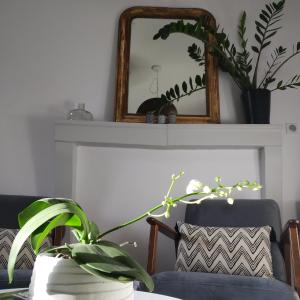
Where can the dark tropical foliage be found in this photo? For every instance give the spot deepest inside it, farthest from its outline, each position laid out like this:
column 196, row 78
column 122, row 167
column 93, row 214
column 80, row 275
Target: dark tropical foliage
column 238, row 61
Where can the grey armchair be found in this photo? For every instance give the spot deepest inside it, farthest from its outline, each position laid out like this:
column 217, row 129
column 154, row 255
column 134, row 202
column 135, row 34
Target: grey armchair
column 207, row 286
column 11, row 205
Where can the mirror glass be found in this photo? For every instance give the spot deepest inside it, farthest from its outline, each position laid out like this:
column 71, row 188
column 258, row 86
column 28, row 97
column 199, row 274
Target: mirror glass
column 155, row 66
column 150, row 70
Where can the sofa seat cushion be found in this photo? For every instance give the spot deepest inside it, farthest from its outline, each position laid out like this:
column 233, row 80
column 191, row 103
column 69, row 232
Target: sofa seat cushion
column 21, row 279
column 208, row 286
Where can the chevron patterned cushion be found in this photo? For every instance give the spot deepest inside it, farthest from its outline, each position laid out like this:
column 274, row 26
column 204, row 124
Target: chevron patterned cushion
column 238, row 251
column 26, row 257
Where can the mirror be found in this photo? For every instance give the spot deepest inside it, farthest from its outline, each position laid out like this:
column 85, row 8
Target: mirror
column 152, row 71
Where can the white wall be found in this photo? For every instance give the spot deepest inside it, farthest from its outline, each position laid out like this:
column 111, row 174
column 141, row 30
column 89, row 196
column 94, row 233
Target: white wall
column 115, row 185
column 55, row 53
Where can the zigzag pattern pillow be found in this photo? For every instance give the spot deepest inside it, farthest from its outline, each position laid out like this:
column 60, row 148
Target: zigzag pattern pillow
column 26, row 257
column 237, row 251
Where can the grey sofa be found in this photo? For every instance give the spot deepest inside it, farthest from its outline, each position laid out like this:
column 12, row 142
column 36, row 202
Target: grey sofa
column 208, row 286
column 11, row 205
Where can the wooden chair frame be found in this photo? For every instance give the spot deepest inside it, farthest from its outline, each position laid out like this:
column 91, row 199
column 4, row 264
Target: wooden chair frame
column 289, row 244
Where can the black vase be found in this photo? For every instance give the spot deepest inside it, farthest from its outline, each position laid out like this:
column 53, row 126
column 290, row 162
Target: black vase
column 257, row 104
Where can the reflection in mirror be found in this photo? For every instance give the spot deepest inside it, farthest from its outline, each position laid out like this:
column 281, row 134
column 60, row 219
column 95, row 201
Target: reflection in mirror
column 157, row 65
column 153, row 71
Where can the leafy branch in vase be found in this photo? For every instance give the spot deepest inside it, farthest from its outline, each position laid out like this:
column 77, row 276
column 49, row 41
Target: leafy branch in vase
column 192, row 85
column 238, row 61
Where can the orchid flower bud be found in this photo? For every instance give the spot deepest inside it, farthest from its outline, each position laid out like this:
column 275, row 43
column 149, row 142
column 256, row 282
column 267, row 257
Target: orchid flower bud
column 194, row 186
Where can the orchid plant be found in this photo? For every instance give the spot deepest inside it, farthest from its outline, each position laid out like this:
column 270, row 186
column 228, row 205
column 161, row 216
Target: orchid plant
column 91, row 252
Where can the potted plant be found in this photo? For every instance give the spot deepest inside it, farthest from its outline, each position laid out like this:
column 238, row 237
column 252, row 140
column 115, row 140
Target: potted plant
column 92, row 267
column 242, row 65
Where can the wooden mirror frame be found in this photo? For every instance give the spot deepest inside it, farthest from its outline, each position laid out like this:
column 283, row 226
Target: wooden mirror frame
column 211, row 70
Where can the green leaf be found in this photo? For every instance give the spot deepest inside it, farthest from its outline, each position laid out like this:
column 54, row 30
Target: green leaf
column 163, row 98
column 184, row 86
column 263, row 18
column 11, row 294
column 198, row 80
column 298, row 46
column 257, row 38
column 172, row 92
column 38, row 220
column 94, row 232
column 191, row 83
column 168, row 95
column 255, row 49
column 177, row 90
column 270, row 35
column 38, row 236
column 279, row 84
column 266, row 44
column 258, row 24
column 204, row 79
column 269, row 8
column 109, row 260
column 266, row 14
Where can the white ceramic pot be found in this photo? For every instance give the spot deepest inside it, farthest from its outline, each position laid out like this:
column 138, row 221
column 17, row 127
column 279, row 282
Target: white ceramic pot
column 62, row 279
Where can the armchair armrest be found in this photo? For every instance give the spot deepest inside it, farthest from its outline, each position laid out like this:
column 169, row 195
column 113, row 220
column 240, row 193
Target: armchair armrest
column 291, row 252
column 157, row 226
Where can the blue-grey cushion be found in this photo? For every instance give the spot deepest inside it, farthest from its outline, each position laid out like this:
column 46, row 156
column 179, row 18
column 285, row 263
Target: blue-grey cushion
column 206, row 286
column 243, row 213
column 11, row 205
column 21, row 279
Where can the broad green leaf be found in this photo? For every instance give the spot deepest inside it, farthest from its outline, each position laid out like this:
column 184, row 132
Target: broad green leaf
column 11, row 294
column 255, row 49
column 110, row 260
column 38, row 206
column 37, row 238
column 38, row 220
column 94, row 232
column 31, row 211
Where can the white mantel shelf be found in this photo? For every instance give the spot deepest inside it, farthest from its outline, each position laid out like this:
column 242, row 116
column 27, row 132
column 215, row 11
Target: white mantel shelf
column 267, row 139
column 178, row 136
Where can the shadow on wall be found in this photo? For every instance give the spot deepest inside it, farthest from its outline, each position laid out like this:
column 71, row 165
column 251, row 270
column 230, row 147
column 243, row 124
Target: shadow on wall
column 109, row 99
column 297, row 206
column 42, row 149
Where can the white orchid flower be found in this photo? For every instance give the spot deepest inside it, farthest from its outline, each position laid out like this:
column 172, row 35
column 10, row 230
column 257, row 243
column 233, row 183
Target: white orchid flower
column 194, row 186
column 230, row 201
column 206, row 189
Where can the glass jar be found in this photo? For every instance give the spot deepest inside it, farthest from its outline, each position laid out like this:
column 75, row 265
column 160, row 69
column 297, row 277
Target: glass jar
column 80, row 113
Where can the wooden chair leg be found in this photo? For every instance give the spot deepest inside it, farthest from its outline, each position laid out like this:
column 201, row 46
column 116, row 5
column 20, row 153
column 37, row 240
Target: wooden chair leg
column 152, row 249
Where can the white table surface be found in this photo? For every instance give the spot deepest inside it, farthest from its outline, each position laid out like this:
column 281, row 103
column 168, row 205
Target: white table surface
column 151, row 296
